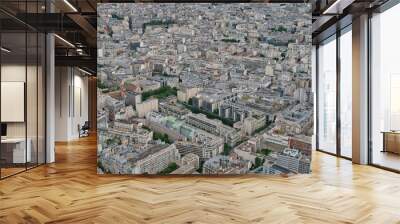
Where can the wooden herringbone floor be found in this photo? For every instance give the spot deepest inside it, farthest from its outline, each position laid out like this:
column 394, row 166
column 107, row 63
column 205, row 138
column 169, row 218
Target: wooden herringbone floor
column 70, row 191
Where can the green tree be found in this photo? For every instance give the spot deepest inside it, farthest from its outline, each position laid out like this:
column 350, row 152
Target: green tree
column 200, row 169
column 170, row 168
column 162, row 137
column 100, row 84
column 227, row 149
column 160, row 93
column 266, row 151
column 258, row 162
column 230, row 40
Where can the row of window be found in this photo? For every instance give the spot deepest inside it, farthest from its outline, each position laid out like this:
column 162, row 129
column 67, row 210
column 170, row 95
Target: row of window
column 334, row 89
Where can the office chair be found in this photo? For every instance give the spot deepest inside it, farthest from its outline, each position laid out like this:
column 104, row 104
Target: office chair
column 84, row 130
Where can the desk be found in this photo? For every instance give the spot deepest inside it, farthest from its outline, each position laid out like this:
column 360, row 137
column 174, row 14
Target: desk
column 13, row 150
column 391, row 141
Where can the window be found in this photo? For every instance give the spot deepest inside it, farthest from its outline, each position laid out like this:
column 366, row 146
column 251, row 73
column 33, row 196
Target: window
column 385, row 89
column 346, row 93
column 327, row 96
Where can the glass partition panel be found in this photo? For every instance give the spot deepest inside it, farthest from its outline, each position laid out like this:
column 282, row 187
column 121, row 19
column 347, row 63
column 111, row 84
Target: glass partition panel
column 22, row 63
column 41, row 99
column 31, row 98
column 13, row 92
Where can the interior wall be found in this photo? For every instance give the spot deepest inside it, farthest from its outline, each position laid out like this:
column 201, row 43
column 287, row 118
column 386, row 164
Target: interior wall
column 80, row 112
column 71, row 102
column 61, row 103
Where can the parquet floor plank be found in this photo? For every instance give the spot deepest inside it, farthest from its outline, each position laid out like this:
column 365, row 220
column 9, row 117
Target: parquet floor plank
column 70, row 191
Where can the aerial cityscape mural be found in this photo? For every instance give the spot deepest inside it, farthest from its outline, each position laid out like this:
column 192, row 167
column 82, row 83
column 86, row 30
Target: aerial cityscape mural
column 204, row 88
